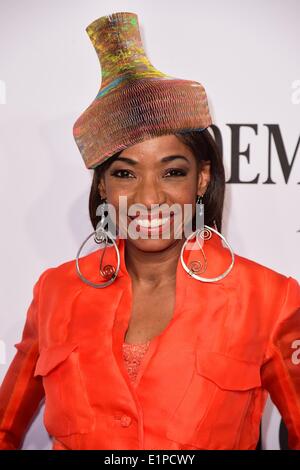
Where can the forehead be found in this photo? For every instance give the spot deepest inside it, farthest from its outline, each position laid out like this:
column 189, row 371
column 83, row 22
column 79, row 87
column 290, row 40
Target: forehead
column 157, row 148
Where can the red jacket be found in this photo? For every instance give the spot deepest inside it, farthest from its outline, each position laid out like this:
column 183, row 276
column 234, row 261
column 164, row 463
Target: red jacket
column 203, row 382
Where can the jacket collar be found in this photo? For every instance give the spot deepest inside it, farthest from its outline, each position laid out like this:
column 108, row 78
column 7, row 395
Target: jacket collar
column 214, row 298
column 79, row 305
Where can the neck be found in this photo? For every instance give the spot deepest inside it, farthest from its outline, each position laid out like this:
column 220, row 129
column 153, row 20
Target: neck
column 152, row 268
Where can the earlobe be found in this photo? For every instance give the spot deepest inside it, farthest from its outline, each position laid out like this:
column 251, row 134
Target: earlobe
column 101, row 189
column 204, row 177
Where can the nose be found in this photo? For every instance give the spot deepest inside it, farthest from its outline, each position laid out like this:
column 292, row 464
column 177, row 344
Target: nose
column 149, row 193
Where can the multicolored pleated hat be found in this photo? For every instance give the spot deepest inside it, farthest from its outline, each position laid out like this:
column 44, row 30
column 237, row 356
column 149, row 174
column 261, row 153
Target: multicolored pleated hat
column 135, row 101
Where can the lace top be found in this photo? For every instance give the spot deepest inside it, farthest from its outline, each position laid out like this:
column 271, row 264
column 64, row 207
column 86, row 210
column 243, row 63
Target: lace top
column 133, row 355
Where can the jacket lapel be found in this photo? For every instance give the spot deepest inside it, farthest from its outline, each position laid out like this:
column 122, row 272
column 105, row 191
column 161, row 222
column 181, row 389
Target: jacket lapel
column 97, row 318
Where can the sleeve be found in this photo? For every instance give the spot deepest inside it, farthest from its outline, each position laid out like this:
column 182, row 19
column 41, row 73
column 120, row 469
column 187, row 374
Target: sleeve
column 21, row 392
column 280, row 372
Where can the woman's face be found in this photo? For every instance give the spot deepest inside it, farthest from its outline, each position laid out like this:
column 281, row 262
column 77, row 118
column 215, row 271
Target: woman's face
column 161, row 171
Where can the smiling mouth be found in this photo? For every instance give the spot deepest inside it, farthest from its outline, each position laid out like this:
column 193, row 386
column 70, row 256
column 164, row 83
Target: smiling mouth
column 150, row 222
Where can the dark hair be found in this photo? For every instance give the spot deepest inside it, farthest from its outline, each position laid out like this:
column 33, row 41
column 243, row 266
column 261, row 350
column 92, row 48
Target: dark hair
column 204, row 148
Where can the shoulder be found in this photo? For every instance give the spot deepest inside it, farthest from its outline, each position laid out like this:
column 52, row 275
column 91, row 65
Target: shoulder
column 273, row 284
column 248, row 266
column 64, row 275
column 245, row 270
column 269, row 297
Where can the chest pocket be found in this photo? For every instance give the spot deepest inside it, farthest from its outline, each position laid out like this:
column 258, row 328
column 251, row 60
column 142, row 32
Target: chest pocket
column 67, row 408
column 211, row 413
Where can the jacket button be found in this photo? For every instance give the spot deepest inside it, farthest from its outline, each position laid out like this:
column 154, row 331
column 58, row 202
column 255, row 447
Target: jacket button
column 125, row 420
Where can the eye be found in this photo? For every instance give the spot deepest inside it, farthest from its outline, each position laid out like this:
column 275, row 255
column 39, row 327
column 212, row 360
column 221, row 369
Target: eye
column 176, row 172
column 122, row 174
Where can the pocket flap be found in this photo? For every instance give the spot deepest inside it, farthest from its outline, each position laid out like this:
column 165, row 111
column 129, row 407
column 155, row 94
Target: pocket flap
column 50, row 357
column 228, row 372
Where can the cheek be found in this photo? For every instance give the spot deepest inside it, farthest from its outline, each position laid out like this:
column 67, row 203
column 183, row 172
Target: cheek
column 114, row 191
column 181, row 192
column 184, row 193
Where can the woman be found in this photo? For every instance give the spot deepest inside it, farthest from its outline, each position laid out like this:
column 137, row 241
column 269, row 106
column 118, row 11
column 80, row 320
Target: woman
column 153, row 342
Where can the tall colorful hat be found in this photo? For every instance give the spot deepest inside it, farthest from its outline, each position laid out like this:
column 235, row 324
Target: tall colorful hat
column 135, row 101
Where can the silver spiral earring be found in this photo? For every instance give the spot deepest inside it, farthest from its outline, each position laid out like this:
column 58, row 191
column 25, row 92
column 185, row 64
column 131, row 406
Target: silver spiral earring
column 101, row 236
column 204, row 233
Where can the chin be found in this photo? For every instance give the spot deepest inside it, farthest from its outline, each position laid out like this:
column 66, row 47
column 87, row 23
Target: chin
column 152, row 245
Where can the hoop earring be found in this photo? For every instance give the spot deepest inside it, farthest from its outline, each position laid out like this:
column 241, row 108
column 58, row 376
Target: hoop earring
column 100, row 236
column 205, row 234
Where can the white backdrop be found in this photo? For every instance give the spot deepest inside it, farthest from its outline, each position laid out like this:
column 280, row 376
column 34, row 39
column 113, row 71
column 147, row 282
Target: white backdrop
column 246, row 54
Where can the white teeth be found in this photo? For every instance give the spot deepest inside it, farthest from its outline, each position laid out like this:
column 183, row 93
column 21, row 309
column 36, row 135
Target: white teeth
column 151, row 223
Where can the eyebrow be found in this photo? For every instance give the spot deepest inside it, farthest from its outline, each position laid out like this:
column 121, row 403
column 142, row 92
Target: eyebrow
column 168, row 158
